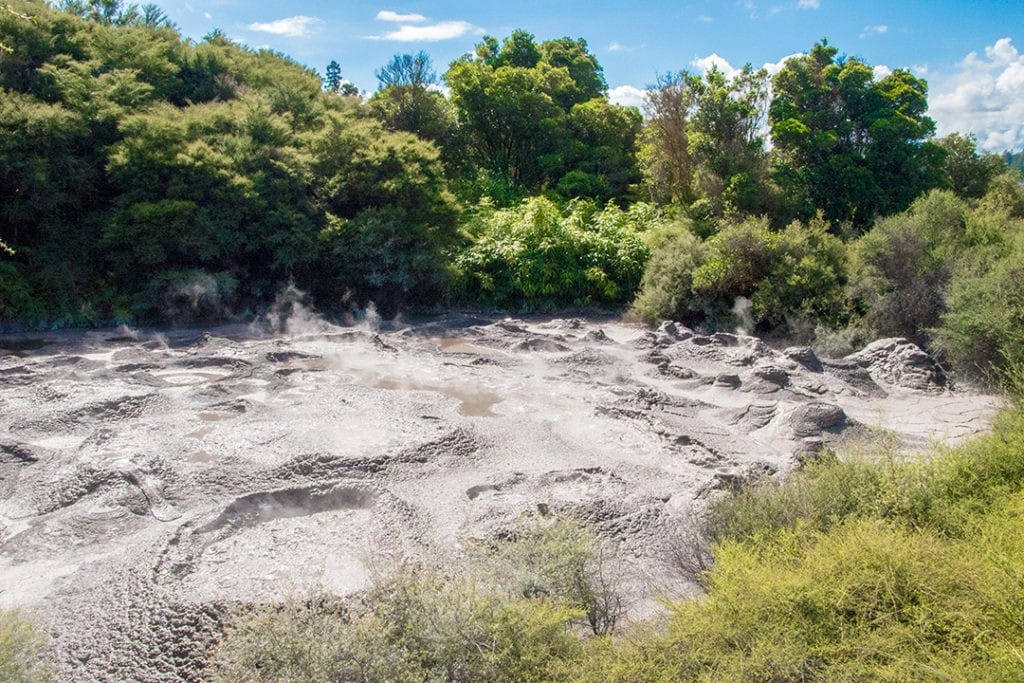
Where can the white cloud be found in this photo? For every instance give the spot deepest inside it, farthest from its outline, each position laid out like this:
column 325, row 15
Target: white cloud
column 877, row 29
column 704, row 64
column 775, row 67
column 984, row 95
column 388, row 15
column 615, row 47
column 207, row 15
column 880, row 71
column 292, row 27
column 808, row 4
column 432, row 33
column 627, row 96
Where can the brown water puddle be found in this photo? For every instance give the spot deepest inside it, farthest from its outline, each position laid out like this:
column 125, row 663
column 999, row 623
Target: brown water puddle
column 472, row 402
column 216, row 415
column 458, row 345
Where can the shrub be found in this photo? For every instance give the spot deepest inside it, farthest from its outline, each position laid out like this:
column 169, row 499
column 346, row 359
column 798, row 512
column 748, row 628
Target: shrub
column 666, row 290
column 509, row 617
column 792, row 277
column 541, row 256
column 981, row 330
column 561, row 562
column 940, row 494
column 892, row 569
column 21, row 648
column 900, row 269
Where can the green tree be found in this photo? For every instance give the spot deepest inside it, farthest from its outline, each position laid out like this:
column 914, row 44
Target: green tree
column 516, row 123
column 406, row 102
column 332, row 79
column 408, row 70
column 702, row 145
column 965, row 171
column 848, row 144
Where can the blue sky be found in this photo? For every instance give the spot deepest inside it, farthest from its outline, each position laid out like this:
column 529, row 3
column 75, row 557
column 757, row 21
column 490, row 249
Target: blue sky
column 972, row 53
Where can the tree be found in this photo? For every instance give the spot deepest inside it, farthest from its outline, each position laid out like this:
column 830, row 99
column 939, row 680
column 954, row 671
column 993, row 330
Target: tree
column 703, row 143
column 965, row 171
column 332, row 80
column 408, row 70
column 847, row 144
column 516, row 122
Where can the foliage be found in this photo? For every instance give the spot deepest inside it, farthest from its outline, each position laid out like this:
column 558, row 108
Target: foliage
column 702, row 144
column 794, row 274
column 418, row 624
column 562, row 562
column 21, row 647
column 408, row 70
column 518, row 119
column 847, row 144
column 132, row 160
column 968, row 173
column 878, row 568
column 899, row 270
column 982, row 326
column 538, row 255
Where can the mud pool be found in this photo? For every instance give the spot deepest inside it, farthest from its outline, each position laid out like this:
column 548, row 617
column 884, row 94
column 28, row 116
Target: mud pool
column 150, row 482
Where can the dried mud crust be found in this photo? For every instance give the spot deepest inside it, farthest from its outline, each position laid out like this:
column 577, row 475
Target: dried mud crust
column 150, row 483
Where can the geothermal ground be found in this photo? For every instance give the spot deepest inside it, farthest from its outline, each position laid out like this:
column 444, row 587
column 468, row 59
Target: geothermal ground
column 151, row 482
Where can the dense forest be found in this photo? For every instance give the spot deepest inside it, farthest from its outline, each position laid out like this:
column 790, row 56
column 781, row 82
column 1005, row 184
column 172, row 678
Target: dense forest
column 150, row 178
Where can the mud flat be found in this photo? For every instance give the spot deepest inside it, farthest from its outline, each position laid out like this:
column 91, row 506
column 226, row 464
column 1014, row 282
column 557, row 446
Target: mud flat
column 150, row 482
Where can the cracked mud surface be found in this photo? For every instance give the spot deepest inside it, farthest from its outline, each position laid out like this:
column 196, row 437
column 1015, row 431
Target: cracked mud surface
column 149, row 482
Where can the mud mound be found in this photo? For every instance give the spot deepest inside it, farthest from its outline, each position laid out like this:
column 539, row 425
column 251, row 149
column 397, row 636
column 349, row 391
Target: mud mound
column 900, row 363
column 150, row 481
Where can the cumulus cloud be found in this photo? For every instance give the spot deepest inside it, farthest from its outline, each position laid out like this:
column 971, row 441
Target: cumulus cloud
column 615, row 47
column 292, row 27
column 876, row 30
column 880, row 71
column 984, row 95
column 627, row 96
column 705, row 64
column 388, row 15
column 431, row 33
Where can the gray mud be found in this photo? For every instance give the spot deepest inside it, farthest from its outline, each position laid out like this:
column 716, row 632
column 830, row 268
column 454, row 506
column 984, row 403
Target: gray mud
column 149, row 483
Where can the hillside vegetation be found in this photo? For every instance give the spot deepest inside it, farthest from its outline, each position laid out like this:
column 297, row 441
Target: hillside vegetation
column 149, row 178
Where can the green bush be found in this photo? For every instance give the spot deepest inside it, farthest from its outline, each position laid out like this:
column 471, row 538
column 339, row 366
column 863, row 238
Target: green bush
column 941, row 494
column 541, row 256
column 792, row 277
column 561, row 562
column 982, row 328
column 890, row 569
column 509, row 617
column 900, row 269
column 666, row 290
column 416, row 626
column 21, row 649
